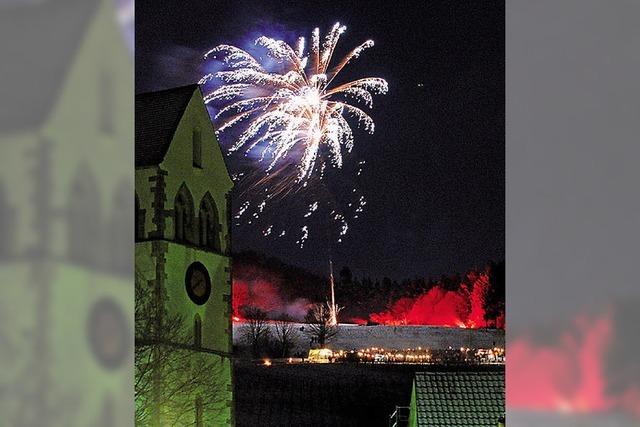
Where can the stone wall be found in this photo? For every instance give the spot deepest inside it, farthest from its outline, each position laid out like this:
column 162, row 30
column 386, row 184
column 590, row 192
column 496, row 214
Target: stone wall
column 395, row 337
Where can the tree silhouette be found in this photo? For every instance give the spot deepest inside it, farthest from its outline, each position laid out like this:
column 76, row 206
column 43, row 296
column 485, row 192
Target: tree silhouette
column 320, row 329
column 285, row 333
column 256, row 330
column 171, row 373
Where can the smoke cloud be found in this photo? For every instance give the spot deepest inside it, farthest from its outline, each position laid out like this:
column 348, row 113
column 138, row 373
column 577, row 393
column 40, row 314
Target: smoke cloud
column 253, row 286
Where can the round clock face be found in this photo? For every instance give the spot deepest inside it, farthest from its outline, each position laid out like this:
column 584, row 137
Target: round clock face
column 198, row 283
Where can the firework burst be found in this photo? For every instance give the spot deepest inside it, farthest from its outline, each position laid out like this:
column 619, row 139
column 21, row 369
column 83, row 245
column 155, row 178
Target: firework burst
column 298, row 111
column 290, row 112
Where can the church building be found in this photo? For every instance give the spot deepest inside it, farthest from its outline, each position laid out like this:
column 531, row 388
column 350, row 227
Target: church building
column 182, row 259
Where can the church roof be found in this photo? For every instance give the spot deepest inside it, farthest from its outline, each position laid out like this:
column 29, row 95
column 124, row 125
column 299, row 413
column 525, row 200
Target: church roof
column 474, row 399
column 157, row 117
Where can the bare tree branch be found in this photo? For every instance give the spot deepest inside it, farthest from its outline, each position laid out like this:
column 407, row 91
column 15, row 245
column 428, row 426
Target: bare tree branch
column 285, row 333
column 320, row 327
column 169, row 370
column 256, row 330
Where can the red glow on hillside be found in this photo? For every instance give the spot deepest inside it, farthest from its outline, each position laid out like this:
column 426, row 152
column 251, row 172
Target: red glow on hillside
column 450, row 302
column 258, row 293
column 264, row 295
column 461, row 308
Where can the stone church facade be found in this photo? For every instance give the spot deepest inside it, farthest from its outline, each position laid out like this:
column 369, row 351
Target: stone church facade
column 182, row 230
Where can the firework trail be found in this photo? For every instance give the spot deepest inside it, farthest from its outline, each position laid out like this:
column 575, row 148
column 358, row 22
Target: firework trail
column 294, row 119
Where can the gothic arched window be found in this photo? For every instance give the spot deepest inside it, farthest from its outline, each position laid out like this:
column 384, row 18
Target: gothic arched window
column 183, row 215
column 139, row 221
column 209, row 224
column 197, row 331
column 199, row 412
column 196, row 141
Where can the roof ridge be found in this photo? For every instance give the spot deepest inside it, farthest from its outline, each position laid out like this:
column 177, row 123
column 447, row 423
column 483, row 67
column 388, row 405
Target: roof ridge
column 158, row 114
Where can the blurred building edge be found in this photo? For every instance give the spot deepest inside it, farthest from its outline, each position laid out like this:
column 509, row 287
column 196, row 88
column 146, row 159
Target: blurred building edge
column 621, row 364
column 458, row 398
column 182, row 261
column 66, row 202
column 66, row 181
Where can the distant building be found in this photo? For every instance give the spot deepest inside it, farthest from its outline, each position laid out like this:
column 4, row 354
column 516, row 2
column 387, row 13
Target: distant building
column 458, row 398
column 182, row 229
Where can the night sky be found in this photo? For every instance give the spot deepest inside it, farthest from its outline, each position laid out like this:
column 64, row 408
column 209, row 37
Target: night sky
column 435, row 170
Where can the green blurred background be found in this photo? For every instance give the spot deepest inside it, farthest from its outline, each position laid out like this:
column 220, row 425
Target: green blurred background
column 66, row 213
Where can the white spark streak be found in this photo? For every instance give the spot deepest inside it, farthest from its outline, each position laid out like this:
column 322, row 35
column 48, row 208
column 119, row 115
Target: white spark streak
column 243, row 209
column 312, row 208
column 304, row 237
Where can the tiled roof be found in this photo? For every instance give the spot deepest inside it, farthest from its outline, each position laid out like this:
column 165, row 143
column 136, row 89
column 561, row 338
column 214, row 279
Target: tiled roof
column 157, row 117
column 459, row 399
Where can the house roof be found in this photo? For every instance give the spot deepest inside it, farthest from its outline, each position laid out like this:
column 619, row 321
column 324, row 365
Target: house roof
column 459, row 399
column 157, row 117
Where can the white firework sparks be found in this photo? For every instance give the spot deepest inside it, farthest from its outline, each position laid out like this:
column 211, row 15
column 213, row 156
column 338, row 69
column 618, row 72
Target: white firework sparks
column 297, row 111
column 312, row 208
column 304, row 237
column 243, row 209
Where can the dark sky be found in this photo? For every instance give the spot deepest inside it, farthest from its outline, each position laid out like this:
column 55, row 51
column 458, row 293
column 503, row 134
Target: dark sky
column 435, row 166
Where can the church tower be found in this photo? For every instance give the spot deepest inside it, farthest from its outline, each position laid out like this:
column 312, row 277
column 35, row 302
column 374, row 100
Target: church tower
column 183, row 264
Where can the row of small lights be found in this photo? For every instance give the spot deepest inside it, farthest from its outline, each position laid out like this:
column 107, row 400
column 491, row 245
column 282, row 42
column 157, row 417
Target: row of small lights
column 393, row 355
column 422, row 356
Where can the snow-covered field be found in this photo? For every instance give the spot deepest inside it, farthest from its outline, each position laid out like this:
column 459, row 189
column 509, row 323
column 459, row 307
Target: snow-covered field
column 395, row 337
